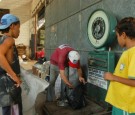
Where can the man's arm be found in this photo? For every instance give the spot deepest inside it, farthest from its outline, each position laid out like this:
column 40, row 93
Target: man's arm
column 64, row 78
column 111, row 77
column 81, row 79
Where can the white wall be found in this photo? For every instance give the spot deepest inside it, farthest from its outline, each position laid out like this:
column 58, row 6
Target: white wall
column 24, row 13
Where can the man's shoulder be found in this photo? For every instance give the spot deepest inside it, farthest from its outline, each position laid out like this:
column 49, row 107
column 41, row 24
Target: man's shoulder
column 63, row 46
column 7, row 40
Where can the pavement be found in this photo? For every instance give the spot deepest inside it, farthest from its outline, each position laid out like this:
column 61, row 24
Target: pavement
column 91, row 109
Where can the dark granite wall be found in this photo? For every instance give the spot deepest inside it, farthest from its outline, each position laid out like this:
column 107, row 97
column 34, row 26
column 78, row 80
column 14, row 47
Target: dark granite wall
column 66, row 22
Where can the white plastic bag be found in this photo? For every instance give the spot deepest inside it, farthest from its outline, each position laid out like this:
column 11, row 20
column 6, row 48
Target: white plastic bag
column 31, row 86
column 58, row 87
column 73, row 76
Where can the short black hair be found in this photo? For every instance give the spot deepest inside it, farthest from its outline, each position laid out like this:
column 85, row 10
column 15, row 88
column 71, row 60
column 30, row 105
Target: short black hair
column 126, row 25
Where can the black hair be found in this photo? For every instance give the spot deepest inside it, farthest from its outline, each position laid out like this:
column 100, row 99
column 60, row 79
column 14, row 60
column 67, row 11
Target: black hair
column 7, row 29
column 126, row 25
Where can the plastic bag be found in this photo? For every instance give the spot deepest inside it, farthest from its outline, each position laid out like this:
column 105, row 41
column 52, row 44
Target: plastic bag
column 76, row 97
column 31, row 86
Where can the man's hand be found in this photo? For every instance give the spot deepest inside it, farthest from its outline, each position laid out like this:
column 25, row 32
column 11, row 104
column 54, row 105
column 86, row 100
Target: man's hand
column 109, row 76
column 16, row 79
column 70, row 85
column 81, row 79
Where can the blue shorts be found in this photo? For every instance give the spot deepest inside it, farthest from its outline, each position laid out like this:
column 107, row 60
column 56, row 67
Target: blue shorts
column 116, row 111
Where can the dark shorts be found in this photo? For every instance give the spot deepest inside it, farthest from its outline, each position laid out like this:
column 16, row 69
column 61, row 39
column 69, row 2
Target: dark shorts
column 116, row 111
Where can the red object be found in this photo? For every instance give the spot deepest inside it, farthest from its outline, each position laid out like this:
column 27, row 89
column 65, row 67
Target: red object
column 40, row 54
column 60, row 55
column 73, row 65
